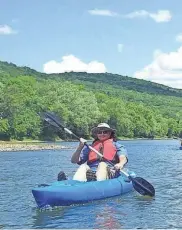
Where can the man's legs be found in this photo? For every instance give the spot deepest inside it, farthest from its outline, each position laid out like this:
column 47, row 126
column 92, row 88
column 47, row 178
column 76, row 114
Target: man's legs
column 80, row 174
column 102, row 172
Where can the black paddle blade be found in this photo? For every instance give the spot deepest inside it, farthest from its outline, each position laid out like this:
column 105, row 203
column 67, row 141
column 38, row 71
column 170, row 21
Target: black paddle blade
column 52, row 119
column 50, row 122
column 142, row 186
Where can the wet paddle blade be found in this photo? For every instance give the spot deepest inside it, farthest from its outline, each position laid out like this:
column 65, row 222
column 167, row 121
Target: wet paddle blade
column 142, row 186
column 48, row 120
column 52, row 119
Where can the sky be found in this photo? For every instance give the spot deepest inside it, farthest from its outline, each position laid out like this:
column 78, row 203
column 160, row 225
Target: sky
column 135, row 38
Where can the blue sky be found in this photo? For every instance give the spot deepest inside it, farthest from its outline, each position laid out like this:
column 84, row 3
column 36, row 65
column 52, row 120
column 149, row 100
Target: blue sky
column 138, row 38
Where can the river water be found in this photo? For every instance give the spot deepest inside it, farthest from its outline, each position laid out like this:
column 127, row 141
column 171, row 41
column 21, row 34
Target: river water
column 158, row 161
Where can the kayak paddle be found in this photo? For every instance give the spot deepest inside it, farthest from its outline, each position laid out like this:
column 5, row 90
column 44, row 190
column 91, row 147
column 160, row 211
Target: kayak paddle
column 141, row 185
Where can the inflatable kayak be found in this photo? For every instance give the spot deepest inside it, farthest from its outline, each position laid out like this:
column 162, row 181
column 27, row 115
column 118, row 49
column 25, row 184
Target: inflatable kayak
column 69, row 192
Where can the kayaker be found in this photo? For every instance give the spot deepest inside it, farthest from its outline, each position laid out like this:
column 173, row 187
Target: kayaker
column 93, row 167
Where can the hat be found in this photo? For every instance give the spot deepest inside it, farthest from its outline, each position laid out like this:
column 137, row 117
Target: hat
column 102, row 126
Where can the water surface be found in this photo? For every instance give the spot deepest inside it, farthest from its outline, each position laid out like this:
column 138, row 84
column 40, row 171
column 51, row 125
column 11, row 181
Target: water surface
column 158, row 161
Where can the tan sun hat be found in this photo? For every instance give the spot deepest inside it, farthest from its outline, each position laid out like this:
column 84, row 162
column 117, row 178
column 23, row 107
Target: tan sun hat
column 103, row 126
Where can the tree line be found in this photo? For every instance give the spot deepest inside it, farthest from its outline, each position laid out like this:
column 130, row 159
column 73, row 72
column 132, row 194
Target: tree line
column 80, row 108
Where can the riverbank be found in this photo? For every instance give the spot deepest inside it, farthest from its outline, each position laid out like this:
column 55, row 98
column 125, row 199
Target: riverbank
column 29, row 146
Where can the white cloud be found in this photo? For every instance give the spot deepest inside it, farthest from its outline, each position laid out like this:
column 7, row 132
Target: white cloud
column 120, row 48
column 137, row 14
column 103, row 13
column 160, row 16
column 166, row 69
column 6, row 30
column 71, row 63
column 179, row 38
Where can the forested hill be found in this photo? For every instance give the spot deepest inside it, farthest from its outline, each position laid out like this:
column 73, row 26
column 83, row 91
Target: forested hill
column 114, row 80
column 121, row 82
column 136, row 108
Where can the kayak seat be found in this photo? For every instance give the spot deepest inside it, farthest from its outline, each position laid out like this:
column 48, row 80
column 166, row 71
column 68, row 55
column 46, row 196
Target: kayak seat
column 91, row 175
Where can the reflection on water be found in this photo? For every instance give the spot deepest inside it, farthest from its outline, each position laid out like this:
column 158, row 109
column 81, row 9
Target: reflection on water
column 48, row 217
column 99, row 214
column 159, row 162
column 107, row 218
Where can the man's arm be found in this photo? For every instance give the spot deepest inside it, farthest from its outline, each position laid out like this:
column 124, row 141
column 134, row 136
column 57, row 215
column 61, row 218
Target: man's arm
column 122, row 161
column 76, row 155
column 123, row 156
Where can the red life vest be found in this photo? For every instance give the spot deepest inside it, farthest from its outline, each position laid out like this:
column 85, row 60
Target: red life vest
column 106, row 148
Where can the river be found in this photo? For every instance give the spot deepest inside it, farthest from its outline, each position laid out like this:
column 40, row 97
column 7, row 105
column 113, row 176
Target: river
column 158, row 161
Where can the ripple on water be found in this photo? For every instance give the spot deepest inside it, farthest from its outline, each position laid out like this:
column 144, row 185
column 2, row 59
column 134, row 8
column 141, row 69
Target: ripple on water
column 160, row 162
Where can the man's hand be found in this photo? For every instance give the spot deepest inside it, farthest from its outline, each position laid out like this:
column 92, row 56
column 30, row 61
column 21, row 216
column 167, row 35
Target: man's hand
column 118, row 166
column 82, row 142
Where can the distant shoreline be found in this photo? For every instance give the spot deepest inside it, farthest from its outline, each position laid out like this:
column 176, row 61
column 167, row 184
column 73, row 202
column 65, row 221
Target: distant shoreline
column 29, row 146
column 12, row 146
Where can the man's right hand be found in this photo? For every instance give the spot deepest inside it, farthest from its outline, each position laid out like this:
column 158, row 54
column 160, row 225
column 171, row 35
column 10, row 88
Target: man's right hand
column 82, row 142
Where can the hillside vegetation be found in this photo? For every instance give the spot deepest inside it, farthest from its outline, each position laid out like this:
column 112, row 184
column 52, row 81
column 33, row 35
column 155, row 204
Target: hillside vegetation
column 136, row 108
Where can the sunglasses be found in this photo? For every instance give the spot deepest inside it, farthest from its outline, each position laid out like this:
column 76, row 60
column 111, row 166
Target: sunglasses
column 103, row 132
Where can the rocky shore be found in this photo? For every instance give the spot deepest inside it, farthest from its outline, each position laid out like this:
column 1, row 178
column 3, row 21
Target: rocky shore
column 9, row 147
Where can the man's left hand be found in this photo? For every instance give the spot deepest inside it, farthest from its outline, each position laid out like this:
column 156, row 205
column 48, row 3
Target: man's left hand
column 118, row 166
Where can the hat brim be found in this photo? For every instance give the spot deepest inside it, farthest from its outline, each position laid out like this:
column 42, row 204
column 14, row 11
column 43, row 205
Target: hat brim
column 96, row 129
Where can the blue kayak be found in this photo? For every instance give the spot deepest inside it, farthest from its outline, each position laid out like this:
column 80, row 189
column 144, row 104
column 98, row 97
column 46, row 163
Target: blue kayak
column 69, row 192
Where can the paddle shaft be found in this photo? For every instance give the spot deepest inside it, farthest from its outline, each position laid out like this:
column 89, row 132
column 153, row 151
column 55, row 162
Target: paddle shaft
column 90, row 147
column 140, row 185
column 98, row 153
column 78, row 138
